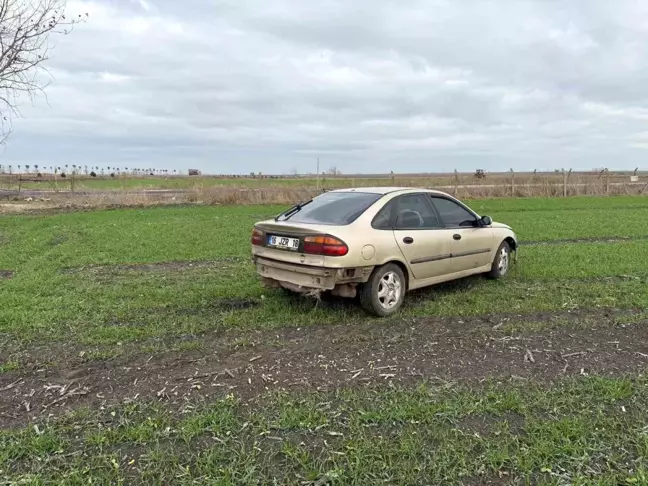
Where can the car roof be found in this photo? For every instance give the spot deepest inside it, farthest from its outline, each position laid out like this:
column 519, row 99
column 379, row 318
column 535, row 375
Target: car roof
column 387, row 190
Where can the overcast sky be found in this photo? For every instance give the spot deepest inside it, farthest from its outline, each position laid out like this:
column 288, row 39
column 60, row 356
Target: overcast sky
column 233, row 86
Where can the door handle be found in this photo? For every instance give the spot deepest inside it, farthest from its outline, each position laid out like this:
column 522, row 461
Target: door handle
column 456, row 237
column 408, row 240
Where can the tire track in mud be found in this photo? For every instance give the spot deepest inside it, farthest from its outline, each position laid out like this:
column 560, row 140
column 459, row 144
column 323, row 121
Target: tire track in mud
column 384, row 353
column 589, row 279
column 593, row 239
column 151, row 267
column 507, row 210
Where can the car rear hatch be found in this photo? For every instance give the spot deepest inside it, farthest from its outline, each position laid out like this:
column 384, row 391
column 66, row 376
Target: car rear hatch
column 284, row 242
column 319, row 221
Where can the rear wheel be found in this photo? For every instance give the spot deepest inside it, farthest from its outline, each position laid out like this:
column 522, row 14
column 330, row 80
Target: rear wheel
column 384, row 292
column 501, row 262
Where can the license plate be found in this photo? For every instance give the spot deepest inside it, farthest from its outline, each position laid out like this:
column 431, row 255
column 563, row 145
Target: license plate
column 284, row 242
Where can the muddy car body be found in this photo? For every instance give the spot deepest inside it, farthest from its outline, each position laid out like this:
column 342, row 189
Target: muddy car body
column 378, row 243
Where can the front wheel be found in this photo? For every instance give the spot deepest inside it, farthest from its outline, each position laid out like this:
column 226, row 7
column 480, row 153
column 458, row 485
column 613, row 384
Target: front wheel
column 501, row 262
column 384, row 292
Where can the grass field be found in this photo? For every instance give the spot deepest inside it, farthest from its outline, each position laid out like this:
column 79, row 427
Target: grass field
column 595, row 182
column 83, row 192
column 138, row 346
column 182, row 182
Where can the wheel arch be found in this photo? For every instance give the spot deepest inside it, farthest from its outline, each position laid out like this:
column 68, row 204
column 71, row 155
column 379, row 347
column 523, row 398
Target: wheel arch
column 404, row 269
column 511, row 242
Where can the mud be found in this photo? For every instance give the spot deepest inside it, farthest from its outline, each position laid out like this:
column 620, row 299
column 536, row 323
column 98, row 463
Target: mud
column 151, row 267
column 385, row 353
column 604, row 239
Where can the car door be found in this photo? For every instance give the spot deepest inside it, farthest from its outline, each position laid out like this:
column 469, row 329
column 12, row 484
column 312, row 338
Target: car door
column 418, row 233
column 472, row 243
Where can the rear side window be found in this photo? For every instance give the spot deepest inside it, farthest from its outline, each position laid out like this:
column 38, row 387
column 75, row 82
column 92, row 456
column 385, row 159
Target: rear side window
column 383, row 220
column 453, row 214
column 334, row 208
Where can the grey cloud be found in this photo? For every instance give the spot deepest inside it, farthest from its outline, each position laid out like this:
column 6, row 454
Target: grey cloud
column 245, row 85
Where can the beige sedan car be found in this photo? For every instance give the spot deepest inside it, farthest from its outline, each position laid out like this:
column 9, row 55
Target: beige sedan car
column 378, row 243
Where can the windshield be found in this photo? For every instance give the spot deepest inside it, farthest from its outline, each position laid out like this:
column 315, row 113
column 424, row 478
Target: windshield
column 334, row 208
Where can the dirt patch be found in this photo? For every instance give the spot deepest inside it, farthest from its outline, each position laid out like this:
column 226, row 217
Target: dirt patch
column 58, row 240
column 17, row 208
column 151, row 267
column 217, row 305
column 236, row 304
column 605, row 239
column 488, row 425
column 6, row 274
column 328, row 357
column 595, row 279
column 615, row 278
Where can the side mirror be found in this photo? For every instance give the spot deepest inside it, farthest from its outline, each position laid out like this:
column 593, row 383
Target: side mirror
column 486, row 220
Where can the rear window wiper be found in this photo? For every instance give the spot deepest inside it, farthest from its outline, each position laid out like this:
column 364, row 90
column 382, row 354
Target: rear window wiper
column 295, row 209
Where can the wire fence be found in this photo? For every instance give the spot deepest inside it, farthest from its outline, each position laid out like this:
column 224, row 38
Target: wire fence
column 511, row 184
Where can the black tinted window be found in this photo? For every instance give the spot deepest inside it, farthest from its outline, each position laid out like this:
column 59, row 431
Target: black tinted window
column 452, row 213
column 414, row 211
column 383, row 219
column 335, row 208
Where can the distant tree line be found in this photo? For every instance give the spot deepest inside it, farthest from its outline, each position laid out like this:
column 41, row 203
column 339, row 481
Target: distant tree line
column 91, row 171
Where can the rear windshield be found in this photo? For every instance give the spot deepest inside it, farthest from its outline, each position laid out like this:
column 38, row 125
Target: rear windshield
column 334, row 208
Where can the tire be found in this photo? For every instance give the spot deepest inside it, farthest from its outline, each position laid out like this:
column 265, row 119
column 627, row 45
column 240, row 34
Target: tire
column 501, row 262
column 389, row 281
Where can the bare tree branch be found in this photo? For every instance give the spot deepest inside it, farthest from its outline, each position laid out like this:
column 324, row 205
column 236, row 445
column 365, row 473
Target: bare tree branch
column 25, row 27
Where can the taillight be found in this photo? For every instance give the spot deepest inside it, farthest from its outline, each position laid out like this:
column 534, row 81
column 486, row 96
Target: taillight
column 257, row 237
column 325, row 245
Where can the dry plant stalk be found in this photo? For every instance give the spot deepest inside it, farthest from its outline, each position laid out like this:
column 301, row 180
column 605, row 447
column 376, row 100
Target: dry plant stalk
column 228, row 195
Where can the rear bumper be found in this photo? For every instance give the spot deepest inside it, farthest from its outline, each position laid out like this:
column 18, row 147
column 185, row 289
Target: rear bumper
column 304, row 277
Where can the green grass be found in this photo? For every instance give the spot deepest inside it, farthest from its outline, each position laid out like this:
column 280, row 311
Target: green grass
column 187, row 233
column 43, row 303
column 586, row 431
column 9, row 366
column 133, row 235
column 558, row 262
column 553, row 204
column 130, row 307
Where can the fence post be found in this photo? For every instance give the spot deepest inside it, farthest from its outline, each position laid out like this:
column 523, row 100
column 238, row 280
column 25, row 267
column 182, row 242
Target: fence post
column 393, row 178
column 72, row 183
column 564, row 183
column 512, row 183
column 607, row 182
column 19, row 183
